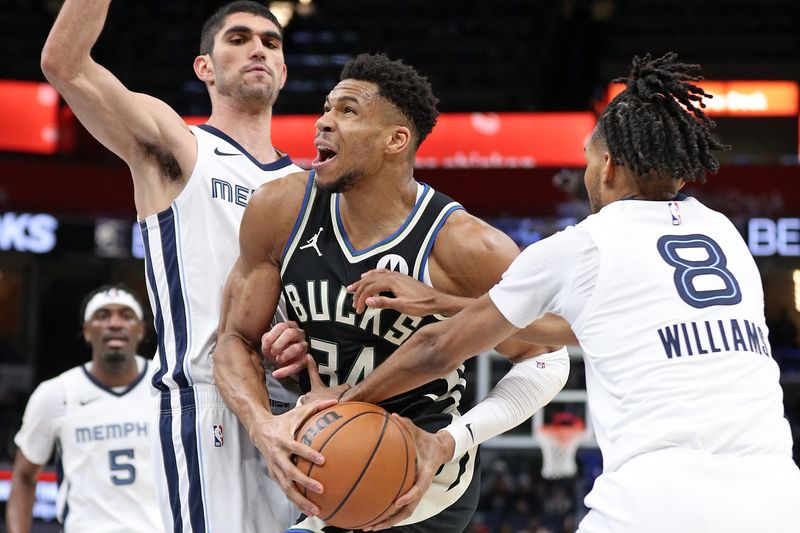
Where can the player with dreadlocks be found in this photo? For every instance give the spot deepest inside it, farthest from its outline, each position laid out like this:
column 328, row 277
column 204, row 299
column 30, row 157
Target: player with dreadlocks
column 667, row 305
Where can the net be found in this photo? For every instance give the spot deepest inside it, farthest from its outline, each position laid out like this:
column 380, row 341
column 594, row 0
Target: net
column 560, row 441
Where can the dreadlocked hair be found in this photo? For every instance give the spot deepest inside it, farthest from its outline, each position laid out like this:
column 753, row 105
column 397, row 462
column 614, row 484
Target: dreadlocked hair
column 656, row 126
column 408, row 90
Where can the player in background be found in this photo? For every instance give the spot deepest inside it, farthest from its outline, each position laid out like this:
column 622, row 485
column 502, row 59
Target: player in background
column 96, row 417
column 190, row 188
column 361, row 208
column 667, row 304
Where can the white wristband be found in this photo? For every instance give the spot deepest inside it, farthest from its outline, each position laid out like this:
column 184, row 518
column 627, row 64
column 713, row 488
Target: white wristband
column 527, row 387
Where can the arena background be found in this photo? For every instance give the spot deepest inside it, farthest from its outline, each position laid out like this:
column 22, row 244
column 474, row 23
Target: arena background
column 520, row 82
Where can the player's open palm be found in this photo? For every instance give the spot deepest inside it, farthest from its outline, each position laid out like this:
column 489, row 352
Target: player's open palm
column 275, row 438
column 432, row 452
column 382, row 289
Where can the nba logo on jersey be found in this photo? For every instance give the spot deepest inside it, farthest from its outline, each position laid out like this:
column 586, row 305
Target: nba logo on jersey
column 218, row 439
column 675, row 213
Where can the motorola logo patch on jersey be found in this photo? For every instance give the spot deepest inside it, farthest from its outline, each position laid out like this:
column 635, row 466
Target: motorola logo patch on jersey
column 393, row 262
column 218, row 152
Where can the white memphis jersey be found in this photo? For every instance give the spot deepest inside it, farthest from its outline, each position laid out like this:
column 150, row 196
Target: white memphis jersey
column 190, row 249
column 673, row 333
column 104, row 464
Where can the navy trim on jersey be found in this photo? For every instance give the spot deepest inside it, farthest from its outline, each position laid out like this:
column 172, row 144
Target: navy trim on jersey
column 433, row 239
column 109, row 390
column 158, row 316
column 399, row 230
column 189, row 440
column 300, row 215
column 59, row 480
column 283, row 162
column 170, row 465
column 169, row 251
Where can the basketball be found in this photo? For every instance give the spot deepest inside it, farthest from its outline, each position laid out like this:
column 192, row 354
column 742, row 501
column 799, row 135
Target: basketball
column 370, row 460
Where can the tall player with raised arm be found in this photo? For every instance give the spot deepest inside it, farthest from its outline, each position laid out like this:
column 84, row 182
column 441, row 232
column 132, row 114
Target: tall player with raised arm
column 191, row 185
column 667, row 304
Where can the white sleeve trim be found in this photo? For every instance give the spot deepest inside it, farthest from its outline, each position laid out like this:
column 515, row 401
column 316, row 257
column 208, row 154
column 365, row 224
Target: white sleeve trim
column 526, row 388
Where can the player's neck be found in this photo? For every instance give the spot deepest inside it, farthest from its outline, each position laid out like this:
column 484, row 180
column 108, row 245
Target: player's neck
column 115, row 374
column 251, row 129
column 374, row 209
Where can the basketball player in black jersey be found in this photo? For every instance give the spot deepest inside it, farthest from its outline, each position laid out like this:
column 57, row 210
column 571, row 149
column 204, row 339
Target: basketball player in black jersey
column 311, row 235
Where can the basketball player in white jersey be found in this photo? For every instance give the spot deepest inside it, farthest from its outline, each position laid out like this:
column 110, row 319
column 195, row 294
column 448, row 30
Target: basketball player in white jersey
column 191, row 185
column 667, row 305
column 360, row 208
column 96, row 417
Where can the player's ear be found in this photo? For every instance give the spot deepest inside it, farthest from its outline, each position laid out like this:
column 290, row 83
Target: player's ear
column 204, row 68
column 86, row 336
column 608, row 172
column 399, row 141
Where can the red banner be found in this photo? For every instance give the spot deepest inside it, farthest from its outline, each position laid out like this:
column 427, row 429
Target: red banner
column 28, row 117
column 467, row 140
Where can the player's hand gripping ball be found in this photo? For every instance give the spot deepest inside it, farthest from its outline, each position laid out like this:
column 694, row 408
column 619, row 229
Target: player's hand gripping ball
column 370, row 460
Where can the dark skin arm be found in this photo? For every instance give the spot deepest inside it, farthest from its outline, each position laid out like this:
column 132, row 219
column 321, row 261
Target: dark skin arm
column 414, row 298
column 250, row 298
column 467, row 259
column 19, row 509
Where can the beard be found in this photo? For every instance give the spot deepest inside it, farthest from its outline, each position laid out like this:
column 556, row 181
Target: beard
column 255, row 96
column 341, row 184
column 114, row 357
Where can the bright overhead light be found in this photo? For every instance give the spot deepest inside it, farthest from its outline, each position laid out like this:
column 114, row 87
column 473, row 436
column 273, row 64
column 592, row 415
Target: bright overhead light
column 283, row 11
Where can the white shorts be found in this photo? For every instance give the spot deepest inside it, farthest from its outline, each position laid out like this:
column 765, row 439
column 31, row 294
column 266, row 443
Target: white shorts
column 688, row 491
column 210, row 478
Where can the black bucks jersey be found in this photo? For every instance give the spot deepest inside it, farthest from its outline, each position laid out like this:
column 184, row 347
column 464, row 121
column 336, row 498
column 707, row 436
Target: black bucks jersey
column 319, row 262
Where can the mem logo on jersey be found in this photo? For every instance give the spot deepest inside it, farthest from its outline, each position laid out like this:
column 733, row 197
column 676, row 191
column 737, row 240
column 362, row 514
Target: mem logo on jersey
column 393, row 262
column 675, row 213
column 219, row 439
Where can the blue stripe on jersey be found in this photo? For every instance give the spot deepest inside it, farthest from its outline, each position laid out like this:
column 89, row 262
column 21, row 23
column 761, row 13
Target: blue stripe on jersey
column 189, row 440
column 157, row 379
column 169, row 252
column 410, row 216
column 170, row 465
column 433, row 239
column 302, row 213
column 283, row 162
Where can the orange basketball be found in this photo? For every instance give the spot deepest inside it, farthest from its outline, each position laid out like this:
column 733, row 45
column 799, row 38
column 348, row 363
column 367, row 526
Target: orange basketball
column 370, row 460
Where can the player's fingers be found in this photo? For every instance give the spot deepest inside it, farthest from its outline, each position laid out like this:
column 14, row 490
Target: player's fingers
column 292, row 353
column 288, row 336
column 293, row 492
column 289, row 370
column 313, row 373
column 382, row 302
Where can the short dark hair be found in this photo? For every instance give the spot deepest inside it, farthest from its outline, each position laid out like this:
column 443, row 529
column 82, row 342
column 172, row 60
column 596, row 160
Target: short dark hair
column 408, row 90
column 656, row 126
column 104, row 288
column 215, row 22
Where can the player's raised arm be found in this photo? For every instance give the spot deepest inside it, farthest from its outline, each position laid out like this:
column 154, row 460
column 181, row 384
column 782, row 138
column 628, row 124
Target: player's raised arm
column 249, row 301
column 144, row 131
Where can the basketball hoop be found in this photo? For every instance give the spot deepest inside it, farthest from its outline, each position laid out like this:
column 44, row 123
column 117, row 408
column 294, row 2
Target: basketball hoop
column 560, row 441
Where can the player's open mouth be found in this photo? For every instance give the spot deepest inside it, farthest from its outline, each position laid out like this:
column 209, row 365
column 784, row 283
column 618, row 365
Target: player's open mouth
column 324, row 156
